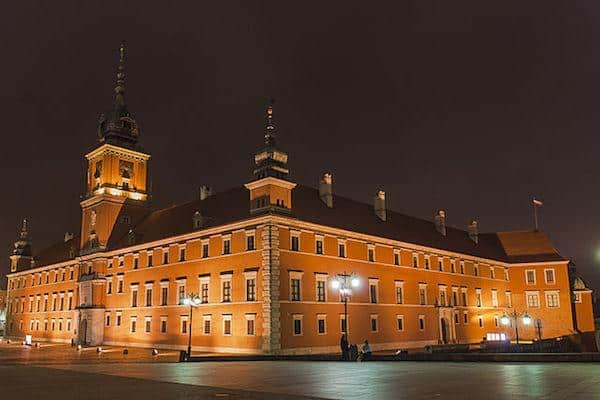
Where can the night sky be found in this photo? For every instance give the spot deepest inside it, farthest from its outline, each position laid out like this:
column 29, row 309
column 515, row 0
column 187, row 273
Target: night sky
column 471, row 107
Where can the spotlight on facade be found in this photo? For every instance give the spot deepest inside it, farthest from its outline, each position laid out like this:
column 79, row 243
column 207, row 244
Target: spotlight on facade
column 505, row 320
column 335, row 284
column 78, row 347
column 526, row 319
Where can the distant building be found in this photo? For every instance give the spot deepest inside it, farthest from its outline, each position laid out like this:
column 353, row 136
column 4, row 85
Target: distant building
column 2, row 312
column 262, row 258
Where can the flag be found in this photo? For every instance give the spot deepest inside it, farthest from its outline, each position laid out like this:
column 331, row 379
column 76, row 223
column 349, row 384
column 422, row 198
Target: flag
column 537, row 202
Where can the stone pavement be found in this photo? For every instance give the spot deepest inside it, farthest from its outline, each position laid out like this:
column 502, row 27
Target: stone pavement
column 377, row 380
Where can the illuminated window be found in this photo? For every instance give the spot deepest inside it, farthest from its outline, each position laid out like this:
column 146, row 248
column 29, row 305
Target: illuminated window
column 549, row 276
column 250, row 324
column 321, row 324
column 400, row 322
column 342, row 249
column 205, row 249
column 371, row 253
column 530, row 276
column 163, row 324
column 206, row 319
column 250, row 278
column 319, row 245
column 373, row 290
column 250, row 245
column 552, row 300
column 226, row 245
column 297, row 324
column 533, row 299
column 227, row 324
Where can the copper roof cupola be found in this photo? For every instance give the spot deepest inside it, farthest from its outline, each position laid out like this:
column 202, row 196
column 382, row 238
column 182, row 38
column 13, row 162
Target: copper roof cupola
column 270, row 161
column 118, row 126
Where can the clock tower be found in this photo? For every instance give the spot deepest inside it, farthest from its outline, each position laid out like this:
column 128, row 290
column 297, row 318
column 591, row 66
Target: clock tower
column 117, row 171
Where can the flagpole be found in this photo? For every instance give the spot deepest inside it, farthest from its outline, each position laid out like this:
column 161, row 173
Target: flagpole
column 535, row 216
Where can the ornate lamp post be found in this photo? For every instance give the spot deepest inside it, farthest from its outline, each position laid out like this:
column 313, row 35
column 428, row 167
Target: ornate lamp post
column 192, row 300
column 344, row 283
column 514, row 315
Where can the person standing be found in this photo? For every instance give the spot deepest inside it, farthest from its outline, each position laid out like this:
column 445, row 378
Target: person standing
column 366, row 351
column 344, row 347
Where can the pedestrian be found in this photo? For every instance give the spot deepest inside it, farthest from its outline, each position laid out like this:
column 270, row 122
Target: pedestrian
column 366, row 351
column 344, row 347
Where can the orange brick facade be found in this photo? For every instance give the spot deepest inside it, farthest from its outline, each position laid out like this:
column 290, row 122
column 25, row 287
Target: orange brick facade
column 262, row 259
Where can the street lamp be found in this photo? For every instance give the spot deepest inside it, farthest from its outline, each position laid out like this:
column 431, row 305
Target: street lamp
column 514, row 315
column 344, row 283
column 192, row 300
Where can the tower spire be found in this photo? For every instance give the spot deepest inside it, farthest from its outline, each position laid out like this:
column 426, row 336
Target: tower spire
column 120, row 83
column 270, row 126
column 23, row 235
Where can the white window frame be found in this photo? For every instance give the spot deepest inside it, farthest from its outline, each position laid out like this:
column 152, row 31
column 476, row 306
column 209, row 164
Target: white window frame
column 248, row 275
column 371, row 248
column 374, row 282
column 227, row 278
column 478, row 298
column 397, row 254
column 133, row 319
column 181, row 283
column 320, row 238
column 400, row 317
column 118, row 318
column 294, row 234
column 527, row 278
column 227, row 317
column 182, row 319
column 324, row 318
column 399, row 284
column 297, row 317
column 495, row 298
column 163, row 319
column 426, row 261
column 422, row 286
column 421, row 317
column 320, row 277
column 226, row 238
column 250, row 232
column 442, row 289
column 205, row 318
column 250, row 317
column 552, row 292
column 376, row 318
column 532, row 293
column 508, row 295
column 146, row 320
column 342, row 243
column 162, row 285
column 204, row 280
column 546, row 270
column 296, row 275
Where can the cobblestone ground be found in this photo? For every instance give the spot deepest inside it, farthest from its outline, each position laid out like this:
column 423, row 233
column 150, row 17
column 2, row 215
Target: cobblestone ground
column 59, row 371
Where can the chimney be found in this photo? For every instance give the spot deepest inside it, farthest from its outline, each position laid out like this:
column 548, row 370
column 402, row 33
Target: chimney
column 68, row 236
column 205, row 191
column 325, row 189
column 379, row 205
column 474, row 231
column 440, row 222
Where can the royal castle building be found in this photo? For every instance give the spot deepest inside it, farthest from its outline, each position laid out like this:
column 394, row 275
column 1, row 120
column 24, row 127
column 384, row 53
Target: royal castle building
column 261, row 259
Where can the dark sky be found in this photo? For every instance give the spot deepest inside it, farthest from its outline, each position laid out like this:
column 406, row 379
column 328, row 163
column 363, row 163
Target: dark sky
column 469, row 106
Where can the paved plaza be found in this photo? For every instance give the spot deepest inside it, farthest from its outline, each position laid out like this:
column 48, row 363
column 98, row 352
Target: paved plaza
column 30, row 373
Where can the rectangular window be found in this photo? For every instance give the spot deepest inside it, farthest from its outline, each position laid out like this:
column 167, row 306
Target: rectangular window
column 148, row 297
column 204, row 291
column 533, row 300
column 295, row 245
column 399, row 293
column 134, row 297
column 373, row 292
column 297, row 325
column 319, row 246
column 206, row 324
column 251, row 289
column 184, row 324
column 133, row 323
column 440, row 264
column 226, row 291
column 119, row 318
column 68, row 324
column 455, row 296
column 150, row 259
column 205, row 250
column 321, row 290
column 342, row 249
column 250, row 242
column 165, row 254
column 552, row 299
column 109, row 286
column 396, row 257
column 492, row 273
column 480, row 320
column 452, row 266
column 107, row 320
column 421, row 322
column 508, row 299
column 478, row 297
column 456, row 319
column 226, row 246
column 462, row 267
column 371, row 254
column 465, row 317
column 136, row 262
column 442, row 292
column 476, row 270
column 374, row 326
column 427, row 262
column 422, row 295
column 227, row 325
column 163, row 324
column 164, row 295
column 549, row 276
column 120, row 284
column 250, row 324
column 121, row 260
column 295, row 289
column 147, row 324
column 321, row 324
column 505, row 274
column 181, row 254
column 494, row 298
column 463, row 294
column 180, row 292
column 400, row 322
column 530, row 276
column 415, row 261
